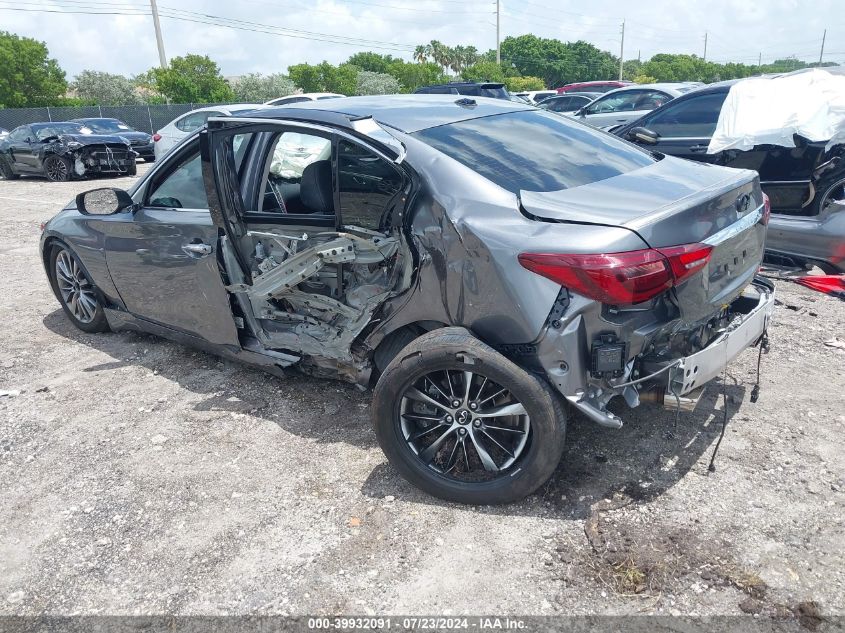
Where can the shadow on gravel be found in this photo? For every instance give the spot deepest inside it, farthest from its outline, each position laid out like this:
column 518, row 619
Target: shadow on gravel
column 640, row 461
column 324, row 410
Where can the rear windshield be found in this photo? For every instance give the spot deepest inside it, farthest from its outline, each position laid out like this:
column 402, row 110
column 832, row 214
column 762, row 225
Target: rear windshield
column 535, row 150
column 490, row 90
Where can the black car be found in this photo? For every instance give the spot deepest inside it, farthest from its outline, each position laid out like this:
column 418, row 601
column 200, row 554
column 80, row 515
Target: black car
column 141, row 142
column 63, row 151
column 805, row 184
column 467, row 88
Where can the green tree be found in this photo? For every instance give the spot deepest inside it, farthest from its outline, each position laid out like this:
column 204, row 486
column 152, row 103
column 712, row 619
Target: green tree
column 412, row 76
column 324, row 77
column 421, row 53
column 462, row 57
column 484, row 71
column 28, row 76
column 257, row 88
column 372, row 62
column 370, row 83
column 192, row 79
column 557, row 62
column 520, row 84
column 105, row 88
column 307, row 77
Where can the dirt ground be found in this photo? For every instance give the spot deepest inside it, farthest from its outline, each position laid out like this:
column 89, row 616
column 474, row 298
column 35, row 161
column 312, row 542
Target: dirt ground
column 139, row 476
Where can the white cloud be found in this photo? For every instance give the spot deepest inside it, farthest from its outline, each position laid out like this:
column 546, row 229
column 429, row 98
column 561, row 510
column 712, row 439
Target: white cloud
column 738, row 30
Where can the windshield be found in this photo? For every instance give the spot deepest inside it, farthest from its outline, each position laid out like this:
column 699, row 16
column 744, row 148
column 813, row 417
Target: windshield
column 535, row 150
column 46, row 130
column 107, row 125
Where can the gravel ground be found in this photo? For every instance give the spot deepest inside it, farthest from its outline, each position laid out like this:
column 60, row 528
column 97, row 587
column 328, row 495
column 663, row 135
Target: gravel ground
column 139, row 476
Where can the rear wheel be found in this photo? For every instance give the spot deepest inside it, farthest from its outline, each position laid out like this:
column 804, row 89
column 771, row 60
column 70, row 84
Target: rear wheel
column 6, row 170
column 464, row 423
column 76, row 292
column 57, row 168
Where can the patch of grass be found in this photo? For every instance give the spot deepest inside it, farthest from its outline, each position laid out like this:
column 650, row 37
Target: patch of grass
column 629, row 578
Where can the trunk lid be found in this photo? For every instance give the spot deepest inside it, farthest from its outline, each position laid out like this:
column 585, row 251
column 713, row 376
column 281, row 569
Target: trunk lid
column 674, row 202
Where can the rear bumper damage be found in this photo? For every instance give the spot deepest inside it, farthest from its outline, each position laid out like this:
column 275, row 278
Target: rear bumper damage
column 652, row 372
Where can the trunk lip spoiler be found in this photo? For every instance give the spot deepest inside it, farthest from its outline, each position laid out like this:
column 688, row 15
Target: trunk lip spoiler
column 740, row 226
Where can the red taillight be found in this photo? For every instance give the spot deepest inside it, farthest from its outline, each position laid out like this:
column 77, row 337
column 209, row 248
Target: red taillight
column 767, row 210
column 687, row 259
column 620, row 278
column 156, row 137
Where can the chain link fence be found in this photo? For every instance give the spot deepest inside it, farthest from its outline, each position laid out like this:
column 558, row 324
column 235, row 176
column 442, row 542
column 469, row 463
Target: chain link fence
column 145, row 118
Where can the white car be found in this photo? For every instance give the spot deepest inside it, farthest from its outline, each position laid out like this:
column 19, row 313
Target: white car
column 629, row 103
column 182, row 126
column 536, row 96
column 305, row 96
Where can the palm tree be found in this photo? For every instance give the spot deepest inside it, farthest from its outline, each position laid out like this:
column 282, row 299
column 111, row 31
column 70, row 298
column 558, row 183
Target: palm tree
column 440, row 53
column 422, row 53
column 458, row 59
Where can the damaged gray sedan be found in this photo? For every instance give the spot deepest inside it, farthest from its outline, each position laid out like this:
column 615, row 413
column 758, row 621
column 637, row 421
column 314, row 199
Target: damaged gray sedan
column 477, row 262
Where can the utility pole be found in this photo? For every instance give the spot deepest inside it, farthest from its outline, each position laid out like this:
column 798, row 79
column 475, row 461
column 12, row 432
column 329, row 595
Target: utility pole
column 161, row 58
column 622, row 51
column 759, row 61
column 498, row 44
column 821, row 54
column 705, row 45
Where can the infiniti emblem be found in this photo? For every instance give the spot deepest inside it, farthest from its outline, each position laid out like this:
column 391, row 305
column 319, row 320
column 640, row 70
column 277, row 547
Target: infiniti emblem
column 742, row 203
column 463, row 416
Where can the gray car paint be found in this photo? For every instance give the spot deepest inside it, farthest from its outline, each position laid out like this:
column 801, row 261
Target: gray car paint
column 465, row 233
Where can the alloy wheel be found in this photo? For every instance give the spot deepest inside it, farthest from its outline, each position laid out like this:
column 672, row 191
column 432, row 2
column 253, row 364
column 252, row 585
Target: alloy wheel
column 57, row 170
column 76, row 291
column 463, row 425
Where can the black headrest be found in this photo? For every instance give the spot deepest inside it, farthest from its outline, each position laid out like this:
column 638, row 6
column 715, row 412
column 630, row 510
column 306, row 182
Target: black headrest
column 316, row 189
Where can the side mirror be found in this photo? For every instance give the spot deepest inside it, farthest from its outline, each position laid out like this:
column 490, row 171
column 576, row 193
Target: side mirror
column 105, row 201
column 581, row 111
column 643, row 135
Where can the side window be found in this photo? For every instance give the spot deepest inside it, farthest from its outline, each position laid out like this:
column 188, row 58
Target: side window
column 367, row 185
column 299, row 176
column 651, row 100
column 194, row 121
column 20, row 134
column 560, row 105
column 180, row 188
column 616, row 103
column 695, row 117
column 291, row 100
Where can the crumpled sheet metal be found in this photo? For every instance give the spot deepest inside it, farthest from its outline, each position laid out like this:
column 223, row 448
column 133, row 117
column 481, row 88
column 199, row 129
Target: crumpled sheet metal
column 770, row 110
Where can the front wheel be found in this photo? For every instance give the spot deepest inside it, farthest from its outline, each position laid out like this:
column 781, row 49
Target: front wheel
column 57, row 168
column 462, row 422
column 76, row 292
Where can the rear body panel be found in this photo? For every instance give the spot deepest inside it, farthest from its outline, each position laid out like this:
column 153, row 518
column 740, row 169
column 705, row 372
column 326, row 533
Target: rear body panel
column 794, row 178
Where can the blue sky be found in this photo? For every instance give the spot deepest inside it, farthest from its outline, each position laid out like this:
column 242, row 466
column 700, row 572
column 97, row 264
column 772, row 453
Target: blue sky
column 121, row 39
